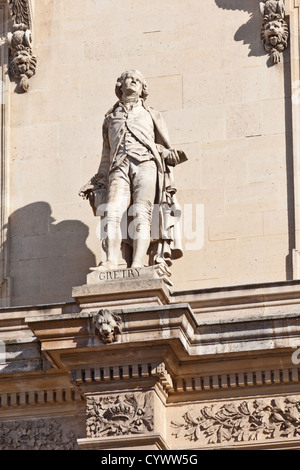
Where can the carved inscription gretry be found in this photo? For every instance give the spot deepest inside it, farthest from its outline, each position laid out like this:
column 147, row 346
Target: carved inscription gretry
column 119, row 274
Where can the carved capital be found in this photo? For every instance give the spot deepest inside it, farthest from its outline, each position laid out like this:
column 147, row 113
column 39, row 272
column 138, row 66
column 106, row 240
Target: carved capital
column 120, row 415
column 22, row 61
column 274, row 31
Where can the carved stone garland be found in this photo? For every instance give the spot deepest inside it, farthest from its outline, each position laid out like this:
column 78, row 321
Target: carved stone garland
column 252, row 420
column 274, row 32
column 22, row 62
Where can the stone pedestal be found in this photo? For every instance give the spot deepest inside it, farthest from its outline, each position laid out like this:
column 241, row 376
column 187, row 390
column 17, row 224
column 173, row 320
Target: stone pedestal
column 123, row 287
column 111, row 361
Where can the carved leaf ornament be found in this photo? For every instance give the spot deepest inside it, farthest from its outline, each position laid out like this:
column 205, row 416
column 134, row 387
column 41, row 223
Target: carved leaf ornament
column 247, row 421
column 119, row 416
column 41, row 434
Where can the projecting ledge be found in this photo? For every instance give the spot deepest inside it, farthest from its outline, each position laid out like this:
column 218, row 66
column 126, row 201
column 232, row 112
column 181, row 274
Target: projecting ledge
column 133, row 442
column 173, row 325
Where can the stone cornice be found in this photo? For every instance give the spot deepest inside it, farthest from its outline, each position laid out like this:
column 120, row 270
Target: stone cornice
column 67, row 339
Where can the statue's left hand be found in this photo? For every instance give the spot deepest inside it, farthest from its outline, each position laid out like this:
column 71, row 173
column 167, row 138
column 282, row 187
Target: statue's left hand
column 171, row 157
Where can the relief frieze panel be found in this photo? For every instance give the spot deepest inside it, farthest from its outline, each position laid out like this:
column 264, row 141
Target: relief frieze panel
column 120, row 415
column 243, row 421
column 36, row 434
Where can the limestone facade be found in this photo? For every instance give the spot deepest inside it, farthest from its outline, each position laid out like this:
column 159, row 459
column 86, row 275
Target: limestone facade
column 212, row 360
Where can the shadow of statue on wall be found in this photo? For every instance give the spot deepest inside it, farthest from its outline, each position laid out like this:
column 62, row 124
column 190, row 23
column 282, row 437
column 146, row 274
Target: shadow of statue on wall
column 45, row 259
column 248, row 33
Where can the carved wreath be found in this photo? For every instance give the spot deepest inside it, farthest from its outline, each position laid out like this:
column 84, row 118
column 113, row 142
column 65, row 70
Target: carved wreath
column 119, row 416
column 247, row 421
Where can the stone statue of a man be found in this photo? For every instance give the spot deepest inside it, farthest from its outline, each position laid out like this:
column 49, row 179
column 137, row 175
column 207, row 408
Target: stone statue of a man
column 135, row 173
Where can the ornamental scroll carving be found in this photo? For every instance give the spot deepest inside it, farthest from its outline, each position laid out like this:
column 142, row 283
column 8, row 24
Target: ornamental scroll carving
column 22, row 61
column 274, row 31
column 119, row 415
column 252, row 420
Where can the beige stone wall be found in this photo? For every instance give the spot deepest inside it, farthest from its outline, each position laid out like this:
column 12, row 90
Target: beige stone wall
column 223, row 104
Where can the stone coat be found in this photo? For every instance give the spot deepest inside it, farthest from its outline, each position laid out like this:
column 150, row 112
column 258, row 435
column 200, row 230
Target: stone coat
column 160, row 143
column 168, row 245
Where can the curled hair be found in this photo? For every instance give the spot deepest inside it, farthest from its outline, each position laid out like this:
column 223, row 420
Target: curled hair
column 118, row 88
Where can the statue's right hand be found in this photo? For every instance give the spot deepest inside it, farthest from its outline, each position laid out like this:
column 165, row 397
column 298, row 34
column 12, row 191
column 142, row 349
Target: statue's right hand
column 87, row 190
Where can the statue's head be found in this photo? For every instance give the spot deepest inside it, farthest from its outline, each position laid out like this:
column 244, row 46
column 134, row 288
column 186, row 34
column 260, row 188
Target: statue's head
column 134, row 75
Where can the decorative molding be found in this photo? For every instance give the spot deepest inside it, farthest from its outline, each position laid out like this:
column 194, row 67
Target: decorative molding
column 274, row 31
column 37, row 398
column 248, row 420
column 108, row 326
column 120, row 415
column 22, row 61
column 236, row 380
column 36, row 434
column 103, row 375
column 175, row 385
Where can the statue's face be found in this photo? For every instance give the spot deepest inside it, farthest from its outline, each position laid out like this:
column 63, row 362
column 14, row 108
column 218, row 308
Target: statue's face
column 133, row 83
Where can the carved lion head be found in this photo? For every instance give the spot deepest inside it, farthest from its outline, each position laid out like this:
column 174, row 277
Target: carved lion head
column 107, row 325
column 274, row 34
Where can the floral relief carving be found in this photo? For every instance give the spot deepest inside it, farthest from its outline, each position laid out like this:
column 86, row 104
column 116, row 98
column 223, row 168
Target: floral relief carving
column 246, row 421
column 42, row 434
column 119, row 415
